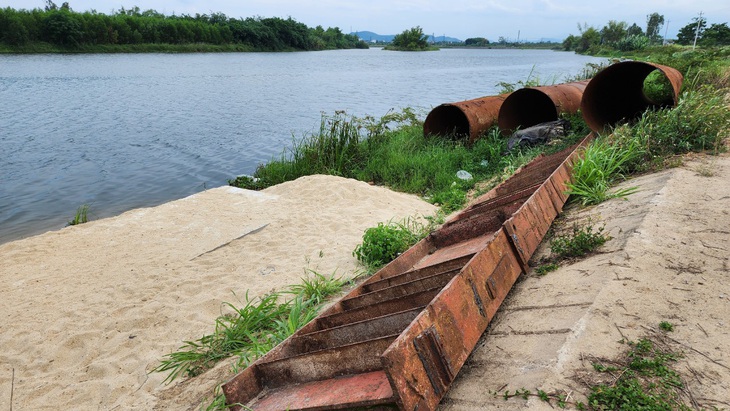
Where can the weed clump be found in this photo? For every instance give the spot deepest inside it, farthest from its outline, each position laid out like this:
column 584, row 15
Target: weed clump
column 382, row 244
column 645, row 380
column 251, row 331
column 81, row 216
column 580, row 242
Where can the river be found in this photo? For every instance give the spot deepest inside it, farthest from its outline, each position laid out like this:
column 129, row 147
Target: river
column 122, row 131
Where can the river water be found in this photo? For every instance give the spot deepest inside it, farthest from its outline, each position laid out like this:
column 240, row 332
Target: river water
column 123, row 131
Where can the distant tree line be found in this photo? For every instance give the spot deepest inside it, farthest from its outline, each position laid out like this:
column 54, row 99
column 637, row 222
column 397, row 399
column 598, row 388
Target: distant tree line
column 63, row 27
column 620, row 36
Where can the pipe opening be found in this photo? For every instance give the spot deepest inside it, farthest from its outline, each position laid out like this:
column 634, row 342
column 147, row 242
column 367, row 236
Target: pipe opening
column 446, row 120
column 658, row 90
column 623, row 91
column 524, row 108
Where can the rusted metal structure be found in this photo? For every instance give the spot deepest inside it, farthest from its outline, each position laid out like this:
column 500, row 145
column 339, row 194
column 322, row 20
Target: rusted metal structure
column 534, row 105
column 400, row 338
column 469, row 118
column 617, row 93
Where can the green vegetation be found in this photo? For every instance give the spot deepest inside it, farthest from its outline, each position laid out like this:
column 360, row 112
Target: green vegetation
column 666, row 326
column 393, row 151
column 251, row 331
column 382, row 244
column 476, row 42
column 60, row 29
column 601, row 165
column 580, row 242
column 81, row 216
column 411, row 40
column 643, row 379
column 618, row 36
column 546, row 268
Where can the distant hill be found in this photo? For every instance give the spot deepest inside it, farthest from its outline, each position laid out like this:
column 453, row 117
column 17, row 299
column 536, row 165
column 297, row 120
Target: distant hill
column 369, row 37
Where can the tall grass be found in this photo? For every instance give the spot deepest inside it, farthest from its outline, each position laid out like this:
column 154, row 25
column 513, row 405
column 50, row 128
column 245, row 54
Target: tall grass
column 393, row 151
column 602, row 165
column 254, row 329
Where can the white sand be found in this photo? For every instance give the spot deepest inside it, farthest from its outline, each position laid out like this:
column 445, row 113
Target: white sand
column 88, row 311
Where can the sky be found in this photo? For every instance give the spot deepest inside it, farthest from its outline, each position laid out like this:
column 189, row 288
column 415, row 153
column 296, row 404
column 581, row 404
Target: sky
column 528, row 20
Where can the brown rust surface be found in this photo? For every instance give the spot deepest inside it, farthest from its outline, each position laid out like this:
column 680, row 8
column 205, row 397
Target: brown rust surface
column 469, row 118
column 529, row 106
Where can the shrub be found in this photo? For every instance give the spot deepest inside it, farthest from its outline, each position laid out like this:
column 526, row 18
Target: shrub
column 382, row 244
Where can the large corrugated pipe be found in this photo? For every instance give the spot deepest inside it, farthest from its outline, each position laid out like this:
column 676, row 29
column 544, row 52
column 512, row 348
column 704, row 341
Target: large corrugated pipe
column 534, row 105
column 469, row 118
column 617, row 93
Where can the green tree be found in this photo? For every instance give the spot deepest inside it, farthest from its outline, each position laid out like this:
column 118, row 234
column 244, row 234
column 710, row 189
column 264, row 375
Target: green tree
column 63, row 28
column 716, row 35
column 14, row 32
column 589, row 37
column 412, row 39
column 686, row 34
column 614, row 31
column 634, row 30
column 476, row 41
column 570, row 42
column 654, row 24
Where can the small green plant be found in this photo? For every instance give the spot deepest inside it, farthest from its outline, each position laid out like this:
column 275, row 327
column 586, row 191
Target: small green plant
column 382, row 244
column 546, row 268
column 580, row 242
column 82, row 215
column 666, row 326
column 645, row 380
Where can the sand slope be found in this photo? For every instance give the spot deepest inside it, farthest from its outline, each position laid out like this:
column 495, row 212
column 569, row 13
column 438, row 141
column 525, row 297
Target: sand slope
column 88, row 311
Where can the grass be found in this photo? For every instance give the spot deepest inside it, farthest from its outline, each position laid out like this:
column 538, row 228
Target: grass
column 644, row 378
column 250, row 331
column 393, row 151
column 81, row 216
column 581, row 241
column 601, row 165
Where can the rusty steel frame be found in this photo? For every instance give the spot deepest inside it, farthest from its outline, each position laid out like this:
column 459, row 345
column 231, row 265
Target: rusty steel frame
column 400, row 338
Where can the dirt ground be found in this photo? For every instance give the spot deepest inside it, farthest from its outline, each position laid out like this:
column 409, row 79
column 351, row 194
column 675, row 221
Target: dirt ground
column 668, row 260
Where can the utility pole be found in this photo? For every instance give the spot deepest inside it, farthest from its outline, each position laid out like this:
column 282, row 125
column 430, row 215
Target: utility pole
column 697, row 31
column 666, row 29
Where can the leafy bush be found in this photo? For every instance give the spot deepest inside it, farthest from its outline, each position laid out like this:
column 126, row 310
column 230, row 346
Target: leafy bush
column 633, row 42
column 382, row 244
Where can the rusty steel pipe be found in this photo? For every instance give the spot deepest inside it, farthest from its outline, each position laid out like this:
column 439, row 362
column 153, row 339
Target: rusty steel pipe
column 617, row 93
column 470, row 118
column 534, row 105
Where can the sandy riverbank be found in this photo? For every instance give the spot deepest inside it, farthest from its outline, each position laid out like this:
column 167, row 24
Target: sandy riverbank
column 88, row 311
